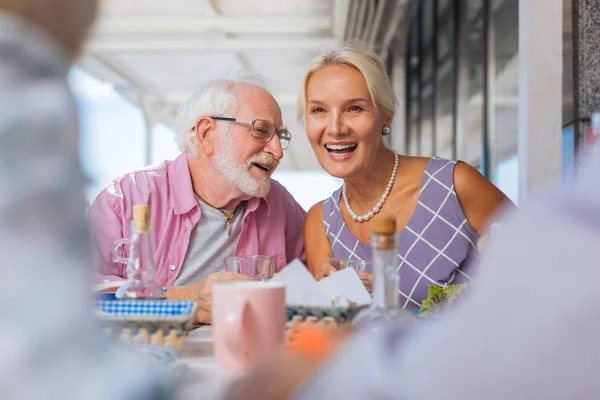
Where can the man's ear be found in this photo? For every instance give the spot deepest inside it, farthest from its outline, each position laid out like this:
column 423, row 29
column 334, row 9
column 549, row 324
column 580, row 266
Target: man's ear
column 205, row 131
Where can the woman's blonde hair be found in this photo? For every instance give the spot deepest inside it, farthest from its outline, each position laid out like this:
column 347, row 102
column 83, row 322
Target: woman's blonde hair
column 367, row 63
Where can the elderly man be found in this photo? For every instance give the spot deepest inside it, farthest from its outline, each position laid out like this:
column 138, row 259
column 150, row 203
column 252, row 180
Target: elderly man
column 215, row 200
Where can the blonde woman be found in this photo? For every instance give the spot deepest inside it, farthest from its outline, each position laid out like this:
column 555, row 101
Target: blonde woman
column 441, row 206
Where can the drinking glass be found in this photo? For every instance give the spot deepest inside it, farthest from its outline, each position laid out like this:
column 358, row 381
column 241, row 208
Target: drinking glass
column 259, row 267
column 364, row 269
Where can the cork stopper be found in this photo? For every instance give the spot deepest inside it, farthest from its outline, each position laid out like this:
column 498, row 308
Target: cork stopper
column 141, row 218
column 141, row 212
column 384, row 225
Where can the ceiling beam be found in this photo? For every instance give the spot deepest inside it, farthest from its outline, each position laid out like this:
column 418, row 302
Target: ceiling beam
column 129, row 76
column 214, row 24
column 282, row 98
column 120, row 45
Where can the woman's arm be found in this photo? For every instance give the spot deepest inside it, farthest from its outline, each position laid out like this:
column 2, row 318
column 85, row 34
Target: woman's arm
column 479, row 199
column 316, row 243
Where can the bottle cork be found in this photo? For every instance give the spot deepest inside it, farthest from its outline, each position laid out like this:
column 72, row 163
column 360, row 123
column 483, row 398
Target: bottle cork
column 384, row 225
column 141, row 218
column 141, row 212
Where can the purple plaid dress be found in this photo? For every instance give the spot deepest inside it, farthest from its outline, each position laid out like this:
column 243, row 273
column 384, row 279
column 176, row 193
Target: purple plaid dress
column 433, row 248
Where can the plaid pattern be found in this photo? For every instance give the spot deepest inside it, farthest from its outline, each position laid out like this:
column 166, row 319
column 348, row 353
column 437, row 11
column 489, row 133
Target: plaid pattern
column 154, row 308
column 433, row 248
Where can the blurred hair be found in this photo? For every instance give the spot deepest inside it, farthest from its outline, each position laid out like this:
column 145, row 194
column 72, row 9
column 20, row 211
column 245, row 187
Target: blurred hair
column 214, row 98
column 359, row 57
column 68, row 21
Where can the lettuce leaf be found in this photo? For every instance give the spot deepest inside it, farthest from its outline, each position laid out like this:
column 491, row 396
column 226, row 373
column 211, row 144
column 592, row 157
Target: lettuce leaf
column 440, row 297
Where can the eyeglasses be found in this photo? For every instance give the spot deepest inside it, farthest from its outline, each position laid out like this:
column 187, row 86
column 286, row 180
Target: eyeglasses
column 262, row 130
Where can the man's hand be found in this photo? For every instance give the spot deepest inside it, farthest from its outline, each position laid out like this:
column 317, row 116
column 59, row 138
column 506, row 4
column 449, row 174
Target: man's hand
column 201, row 292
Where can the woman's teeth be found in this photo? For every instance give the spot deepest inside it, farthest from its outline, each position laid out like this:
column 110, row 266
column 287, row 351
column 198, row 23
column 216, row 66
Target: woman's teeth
column 340, row 148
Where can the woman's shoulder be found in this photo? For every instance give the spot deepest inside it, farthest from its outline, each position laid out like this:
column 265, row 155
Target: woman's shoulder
column 325, row 210
column 414, row 161
column 423, row 167
column 420, row 164
column 315, row 214
column 315, row 209
column 330, row 202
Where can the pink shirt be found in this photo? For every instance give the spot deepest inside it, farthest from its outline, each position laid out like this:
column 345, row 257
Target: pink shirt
column 272, row 226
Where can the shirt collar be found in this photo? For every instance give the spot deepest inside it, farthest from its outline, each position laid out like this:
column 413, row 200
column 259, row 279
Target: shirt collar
column 182, row 192
column 25, row 40
column 256, row 202
column 180, row 181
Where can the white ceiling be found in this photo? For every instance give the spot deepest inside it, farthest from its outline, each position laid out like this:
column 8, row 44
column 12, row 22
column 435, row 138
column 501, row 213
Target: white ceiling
column 156, row 53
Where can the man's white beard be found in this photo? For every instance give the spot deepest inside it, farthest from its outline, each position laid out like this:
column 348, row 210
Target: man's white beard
column 239, row 175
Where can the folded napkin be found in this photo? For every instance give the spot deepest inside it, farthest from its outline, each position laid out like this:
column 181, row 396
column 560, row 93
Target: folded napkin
column 340, row 289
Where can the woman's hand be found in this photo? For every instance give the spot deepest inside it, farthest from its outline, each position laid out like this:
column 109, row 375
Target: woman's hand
column 325, row 269
column 365, row 276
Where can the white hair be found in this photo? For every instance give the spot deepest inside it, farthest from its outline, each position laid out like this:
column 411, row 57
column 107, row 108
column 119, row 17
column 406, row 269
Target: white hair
column 214, row 98
column 238, row 174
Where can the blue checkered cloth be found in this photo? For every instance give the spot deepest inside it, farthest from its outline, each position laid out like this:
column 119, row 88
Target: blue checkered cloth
column 157, row 308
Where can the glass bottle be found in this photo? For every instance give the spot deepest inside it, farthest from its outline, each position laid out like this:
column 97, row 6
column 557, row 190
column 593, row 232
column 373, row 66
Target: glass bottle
column 141, row 271
column 385, row 307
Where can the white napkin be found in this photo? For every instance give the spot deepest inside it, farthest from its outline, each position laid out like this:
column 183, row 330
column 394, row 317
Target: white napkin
column 345, row 285
column 302, row 289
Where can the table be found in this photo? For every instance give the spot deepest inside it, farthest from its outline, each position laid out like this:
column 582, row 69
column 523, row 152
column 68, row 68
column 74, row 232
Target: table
column 202, row 377
column 197, row 350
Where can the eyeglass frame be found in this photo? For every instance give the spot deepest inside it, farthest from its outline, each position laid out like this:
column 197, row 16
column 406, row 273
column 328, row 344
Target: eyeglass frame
column 251, row 123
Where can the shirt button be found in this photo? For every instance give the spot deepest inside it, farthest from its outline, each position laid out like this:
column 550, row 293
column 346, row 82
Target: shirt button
column 172, row 267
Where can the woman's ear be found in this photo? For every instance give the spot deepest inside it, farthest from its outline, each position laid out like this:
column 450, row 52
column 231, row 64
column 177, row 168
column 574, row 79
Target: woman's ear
column 388, row 119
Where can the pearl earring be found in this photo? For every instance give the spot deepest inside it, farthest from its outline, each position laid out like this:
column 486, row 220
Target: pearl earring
column 386, row 130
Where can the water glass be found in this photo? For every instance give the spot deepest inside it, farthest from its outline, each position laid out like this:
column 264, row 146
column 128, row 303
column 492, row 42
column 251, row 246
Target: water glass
column 364, row 269
column 259, row 267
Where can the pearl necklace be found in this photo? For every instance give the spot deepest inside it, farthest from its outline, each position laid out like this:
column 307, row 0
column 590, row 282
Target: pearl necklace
column 375, row 210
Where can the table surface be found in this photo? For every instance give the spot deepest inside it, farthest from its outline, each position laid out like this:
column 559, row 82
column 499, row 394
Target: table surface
column 202, row 377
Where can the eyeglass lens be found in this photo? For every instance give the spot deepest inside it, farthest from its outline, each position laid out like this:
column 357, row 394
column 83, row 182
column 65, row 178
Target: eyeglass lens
column 264, row 131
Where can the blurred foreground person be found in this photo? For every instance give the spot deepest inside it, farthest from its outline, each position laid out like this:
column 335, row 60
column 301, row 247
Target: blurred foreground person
column 527, row 330
column 49, row 347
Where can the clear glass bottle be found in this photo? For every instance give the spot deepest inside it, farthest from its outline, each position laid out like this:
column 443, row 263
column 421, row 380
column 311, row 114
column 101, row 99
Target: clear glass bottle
column 141, row 283
column 386, row 307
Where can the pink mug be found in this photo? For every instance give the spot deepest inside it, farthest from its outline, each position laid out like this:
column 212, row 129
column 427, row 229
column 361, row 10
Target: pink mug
column 248, row 322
